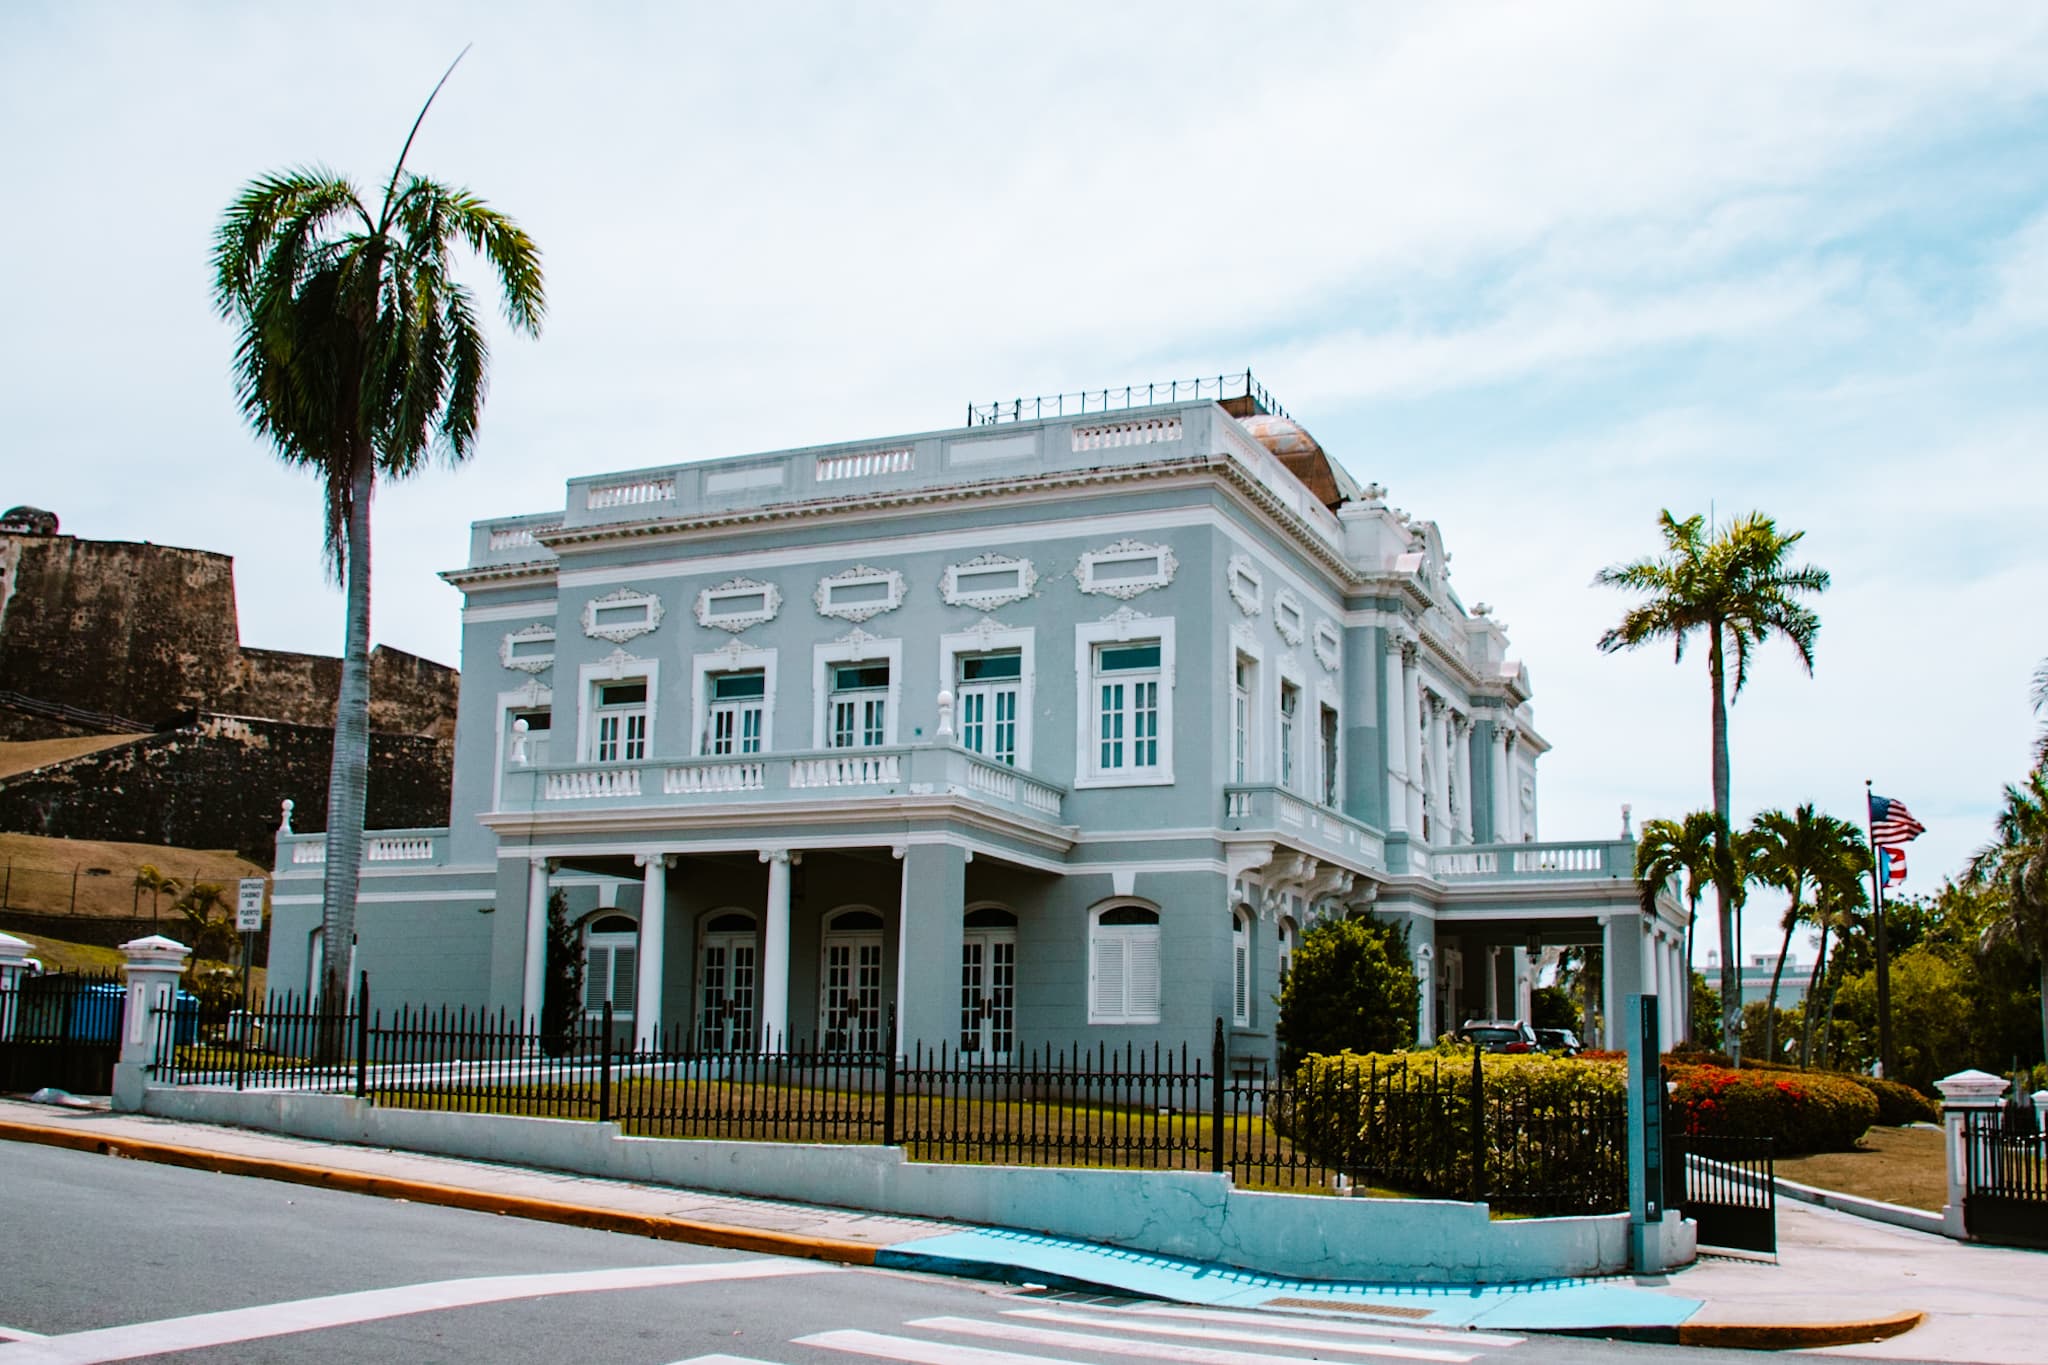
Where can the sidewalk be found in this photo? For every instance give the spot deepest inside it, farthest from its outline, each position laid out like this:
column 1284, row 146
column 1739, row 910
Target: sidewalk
column 1838, row 1278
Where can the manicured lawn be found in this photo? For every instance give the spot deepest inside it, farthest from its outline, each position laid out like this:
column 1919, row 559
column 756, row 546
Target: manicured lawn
column 1897, row 1165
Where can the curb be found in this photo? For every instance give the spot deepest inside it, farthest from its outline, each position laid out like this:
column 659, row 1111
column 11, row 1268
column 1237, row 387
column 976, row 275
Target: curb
column 1796, row 1336
column 721, row 1235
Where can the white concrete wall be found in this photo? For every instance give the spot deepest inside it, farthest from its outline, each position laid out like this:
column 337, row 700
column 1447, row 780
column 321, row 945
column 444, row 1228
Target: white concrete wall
column 1193, row 1215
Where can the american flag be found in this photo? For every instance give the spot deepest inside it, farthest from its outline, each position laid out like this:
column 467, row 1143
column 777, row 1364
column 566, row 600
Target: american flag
column 1891, row 865
column 1891, row 824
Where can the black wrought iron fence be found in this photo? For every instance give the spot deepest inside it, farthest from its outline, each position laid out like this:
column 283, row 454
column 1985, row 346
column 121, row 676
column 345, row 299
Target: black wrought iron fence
column 61, row 1029
column 1437, row 1131
column 2005, row 1173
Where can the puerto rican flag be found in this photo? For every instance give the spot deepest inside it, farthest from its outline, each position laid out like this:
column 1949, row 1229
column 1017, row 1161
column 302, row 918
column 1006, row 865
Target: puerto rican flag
column 1891, row 865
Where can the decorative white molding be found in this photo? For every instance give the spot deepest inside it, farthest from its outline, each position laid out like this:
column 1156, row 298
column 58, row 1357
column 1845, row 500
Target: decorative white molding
column 1142, row 432
column 1287, row 617
column 755, row 603
column 1247, row 584
column 986, row 587
column 618, row 603
column 986, row 630
column 889, row 581
column 534, row 694
column 508, row 648
column 863, row 463
column 1126, row 620
column 616, row 665
column 858, row 641
column 1125, row 554
column 1244, row 637
column 1328, row 645
column 630, row 493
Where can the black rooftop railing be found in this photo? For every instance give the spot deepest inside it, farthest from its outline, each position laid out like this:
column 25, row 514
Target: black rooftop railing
column 1241, row 390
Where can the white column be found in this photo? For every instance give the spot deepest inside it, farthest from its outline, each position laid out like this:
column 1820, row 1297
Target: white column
column 1525, row 986
column 653, row 948
column 1463, row 769
column 775, row 949
column 1425, row 977
column 534, row 980
column 1612, row 945
column 1503, row 817
column 1439, row 772
column 1411, row 710
column 1398, row 718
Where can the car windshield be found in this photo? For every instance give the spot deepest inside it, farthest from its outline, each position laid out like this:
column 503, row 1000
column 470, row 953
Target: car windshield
column 1494, row 1035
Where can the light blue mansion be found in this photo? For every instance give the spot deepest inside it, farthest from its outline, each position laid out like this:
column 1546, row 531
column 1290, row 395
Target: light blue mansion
column 1046, row 729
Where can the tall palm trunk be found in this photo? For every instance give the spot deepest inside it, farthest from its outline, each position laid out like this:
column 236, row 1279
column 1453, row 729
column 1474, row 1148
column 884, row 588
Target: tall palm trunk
column 1724, row 856
column 1692, row 921
column 1820, row 958
column 348, row 775
column 2044, row 1000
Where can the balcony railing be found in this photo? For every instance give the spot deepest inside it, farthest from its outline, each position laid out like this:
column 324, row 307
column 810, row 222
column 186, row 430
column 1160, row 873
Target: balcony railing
column 1526, row 862
column 904, row 770
column 392, row 849
column 1294, row 816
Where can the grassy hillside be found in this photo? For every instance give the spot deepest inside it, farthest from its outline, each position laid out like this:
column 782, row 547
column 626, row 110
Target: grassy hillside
column 58, row 955
column 19, row 756
column 38, row 873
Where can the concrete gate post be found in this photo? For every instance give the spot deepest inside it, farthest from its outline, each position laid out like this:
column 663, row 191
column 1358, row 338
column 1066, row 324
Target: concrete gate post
column 1962, row 1094
column 151, row 1008
column 13, row 967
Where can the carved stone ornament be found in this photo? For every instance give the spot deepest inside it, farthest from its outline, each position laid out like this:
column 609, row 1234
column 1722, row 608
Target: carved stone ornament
column 860, row 640
column 1242, row 635
column 618, row 631
column 1125, row 551
column 534, row 694
column 619, row 664
column 870, row 605
column 1247, row 585
column 508, row 649
column 982, row 569
column 1327, row 645
column 769, row 598
column 1287, row 617
column 1126, row 620
column 986, row 630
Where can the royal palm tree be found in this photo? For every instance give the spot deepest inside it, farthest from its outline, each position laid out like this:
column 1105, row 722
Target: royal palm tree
column 1840, row 895
column 1792, row 852
column 1678, row 848
column 2016, row 861
column 359, row 355
column 1734, row 586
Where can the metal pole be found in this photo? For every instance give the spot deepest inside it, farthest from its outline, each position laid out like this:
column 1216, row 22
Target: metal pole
column 362, row 1034
column 1216, row 1061
column 1478, row 1128
column 604, row 1067
column 1884, row 962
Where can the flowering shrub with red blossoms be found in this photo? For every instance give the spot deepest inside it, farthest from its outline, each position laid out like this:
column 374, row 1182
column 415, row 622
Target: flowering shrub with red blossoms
column 1805, row 1111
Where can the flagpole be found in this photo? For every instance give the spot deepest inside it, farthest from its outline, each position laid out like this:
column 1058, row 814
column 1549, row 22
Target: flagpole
column 1884, row 965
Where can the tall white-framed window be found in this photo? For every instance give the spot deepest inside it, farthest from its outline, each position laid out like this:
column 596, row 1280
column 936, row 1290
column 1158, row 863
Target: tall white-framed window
column 618, row 711
column 1327, row 735
column 986, row 703
column 736, row 704
column 859, row 686
column 1290, row 734
column 611, row 956
column 1125, row 672
column 988, row 984
column 728, row 977
column 1240, row 967
column 850, row 971
column 1243, row 687
column 1123, row 965
column 991, row 675
column 535, row 705
column 619, row 722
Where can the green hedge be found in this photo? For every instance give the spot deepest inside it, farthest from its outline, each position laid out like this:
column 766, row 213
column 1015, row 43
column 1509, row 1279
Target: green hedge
column 1553, row 1130
column 1898, row 1104
column 1805, row 1111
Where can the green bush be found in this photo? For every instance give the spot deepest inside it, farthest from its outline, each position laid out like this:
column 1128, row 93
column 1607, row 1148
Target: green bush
column 1350, row 986
column 1404, row 1119
column 1804, row 1111
column 1898, row 1104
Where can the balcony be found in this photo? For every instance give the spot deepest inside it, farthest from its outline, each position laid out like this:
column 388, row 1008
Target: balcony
column 1604, row 859
column 1314, row 828
column 703, row 784
column 395, row 850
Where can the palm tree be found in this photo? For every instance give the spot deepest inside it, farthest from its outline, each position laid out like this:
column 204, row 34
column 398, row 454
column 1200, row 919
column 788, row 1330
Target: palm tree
column 1678, row 848
column 358, row 354
column 1792, row 851
column 1735, row 586
column 156, row 883
column 1839, row 896
column 2016, row 861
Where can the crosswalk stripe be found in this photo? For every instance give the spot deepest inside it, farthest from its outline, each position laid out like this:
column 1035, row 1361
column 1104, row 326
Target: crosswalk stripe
column 1302, row 1322
column 723, row 1360
column 1159, row 1350
column 915, row 1352
column 1269, row 1334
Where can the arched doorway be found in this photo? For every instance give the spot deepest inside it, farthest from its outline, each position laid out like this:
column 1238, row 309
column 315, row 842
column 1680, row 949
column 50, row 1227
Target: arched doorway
column 728, row 975
column 850, row 981
column 988, row 985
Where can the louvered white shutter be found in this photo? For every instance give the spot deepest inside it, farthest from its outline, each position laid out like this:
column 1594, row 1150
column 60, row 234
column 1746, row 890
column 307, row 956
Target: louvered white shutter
column 1106, row 1000
column 625, row 978
column 1142, row 956
column 597, row 963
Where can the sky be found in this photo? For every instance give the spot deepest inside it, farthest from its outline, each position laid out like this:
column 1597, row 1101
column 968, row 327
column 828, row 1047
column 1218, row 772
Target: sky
column 1542, row 270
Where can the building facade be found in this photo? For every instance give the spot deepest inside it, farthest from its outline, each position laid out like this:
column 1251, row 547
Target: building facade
column 1035, row 731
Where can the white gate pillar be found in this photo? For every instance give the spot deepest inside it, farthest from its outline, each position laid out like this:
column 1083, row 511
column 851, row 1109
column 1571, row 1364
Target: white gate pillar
column 148, row 1013
column 1963, row 1094
column 13, row 968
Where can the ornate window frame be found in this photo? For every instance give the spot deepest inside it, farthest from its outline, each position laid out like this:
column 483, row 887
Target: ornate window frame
column 707, row 598
column 1329, row 645
column 859, row 575
column 1247, row 585
column 1288, row 617
column 621, row 631
column 1122, row 552
column 508, row 648
column 987, row 599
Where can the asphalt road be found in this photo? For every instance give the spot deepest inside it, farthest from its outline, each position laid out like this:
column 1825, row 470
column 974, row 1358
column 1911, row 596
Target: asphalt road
column 103, row 1259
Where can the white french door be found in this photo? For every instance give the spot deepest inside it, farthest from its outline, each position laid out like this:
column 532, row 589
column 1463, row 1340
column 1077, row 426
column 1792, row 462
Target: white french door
column 988, row 994
column 728, row 975
column 850, row 1003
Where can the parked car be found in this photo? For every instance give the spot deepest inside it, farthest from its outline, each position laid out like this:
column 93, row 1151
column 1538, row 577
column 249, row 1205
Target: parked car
column 1498, row 1035
column 1562, row 1041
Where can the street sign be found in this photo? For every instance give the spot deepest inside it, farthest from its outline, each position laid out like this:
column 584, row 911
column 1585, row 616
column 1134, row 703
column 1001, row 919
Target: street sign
column 249, row 905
